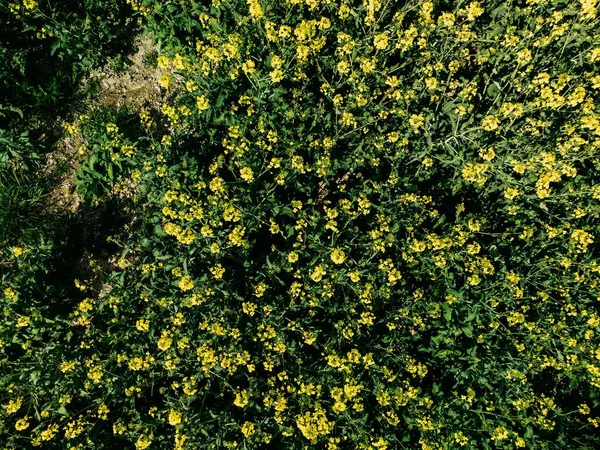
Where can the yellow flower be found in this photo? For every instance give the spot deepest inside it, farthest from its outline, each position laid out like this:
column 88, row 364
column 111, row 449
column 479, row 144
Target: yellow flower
column 490, row 123
column 217, row 271
column 348, row 119
column 256, row 10
column 163, row 62
column 460, row 439
column 236, row 236
column 165, row 81
column 309, row 337
column 95, row 374
column 274, row 228
column 22, row 424
column 29, row 4
column 511, row 193
column 354, row 276
column 103, row 411
column 381, row 444
column 260, row 289
column 338, row 256
column 202, row 103
column 276, row 75
column 165, row 341
column 191, row 86
column 241, row 399
column 249, row 308
column 10, row 294
column 474, row 10
column 136, row 363
column 311, row 425
column 276, row 62
column 14, row 405
column 581, row 239
column 174, row 417
column 343, row 67
column 246, row 174
column 500, row 433
column 487, row 154
column 475, row 173
column 249, row 67
column 381, row 41
column 22, row 322
column 142, row 325
column 49, row 432
column 143, row 442
column 594, row 54
column 317, row 274
column 416, row 122
column 524, row 57
column 584, row 409
column 292, row 257
column 67, row 366
column 186, row 283
column 431, row 83
column 248, row 429
column 179, row 441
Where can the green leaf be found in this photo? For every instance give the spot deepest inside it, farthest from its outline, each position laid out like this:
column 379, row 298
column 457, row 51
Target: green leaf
column 447, row 312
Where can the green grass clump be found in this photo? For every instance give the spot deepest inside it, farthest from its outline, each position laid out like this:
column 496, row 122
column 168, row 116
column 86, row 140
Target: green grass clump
column 22, row 196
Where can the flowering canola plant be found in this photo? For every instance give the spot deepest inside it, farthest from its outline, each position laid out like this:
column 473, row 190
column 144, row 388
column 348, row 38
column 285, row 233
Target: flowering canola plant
column 364, row 225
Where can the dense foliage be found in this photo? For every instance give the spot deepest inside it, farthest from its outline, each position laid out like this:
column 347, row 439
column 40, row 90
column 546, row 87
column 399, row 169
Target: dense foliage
column 363, row 225
column 45, row 49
